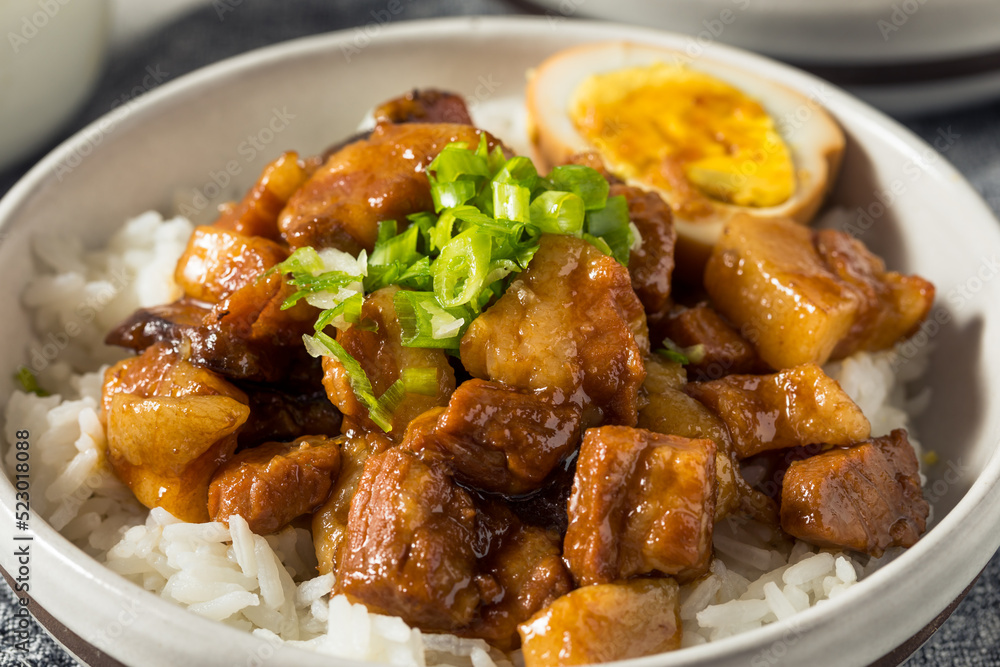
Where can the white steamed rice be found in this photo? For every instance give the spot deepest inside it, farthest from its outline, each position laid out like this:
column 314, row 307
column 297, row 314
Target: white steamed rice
column 265, row 585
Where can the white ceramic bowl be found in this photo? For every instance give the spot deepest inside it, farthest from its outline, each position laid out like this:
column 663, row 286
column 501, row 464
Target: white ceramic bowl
column 181, row 135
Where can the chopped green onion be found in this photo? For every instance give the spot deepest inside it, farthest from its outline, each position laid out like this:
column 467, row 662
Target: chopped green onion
column 584, row 182
column 511, row 201
column 29, row 382
column 556, row 212
column 598, row 243
column 682, row 355
column 452, row 194
column 518, row 170
column 380, row 409
column 456, row 162
column 612, row 224
column 423, row 381
column 425, row 323
column 461, row 267
column 347, row 312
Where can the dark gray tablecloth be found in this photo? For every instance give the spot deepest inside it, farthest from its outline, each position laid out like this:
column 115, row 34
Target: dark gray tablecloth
column 970, row 637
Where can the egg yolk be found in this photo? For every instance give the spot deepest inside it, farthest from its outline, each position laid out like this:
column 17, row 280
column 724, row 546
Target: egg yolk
column 686, row 132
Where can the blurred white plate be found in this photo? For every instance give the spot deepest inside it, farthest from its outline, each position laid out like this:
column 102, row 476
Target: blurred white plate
column 904, row 56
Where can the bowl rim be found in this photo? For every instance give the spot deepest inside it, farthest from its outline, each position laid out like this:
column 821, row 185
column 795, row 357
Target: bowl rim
column 983, row 497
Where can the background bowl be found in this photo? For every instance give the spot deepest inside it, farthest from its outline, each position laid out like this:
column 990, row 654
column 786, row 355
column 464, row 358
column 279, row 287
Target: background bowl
column 48, row 66
column 185, row 137
column 904, row 56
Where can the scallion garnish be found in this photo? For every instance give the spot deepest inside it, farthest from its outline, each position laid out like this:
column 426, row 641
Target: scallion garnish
column 489, row 215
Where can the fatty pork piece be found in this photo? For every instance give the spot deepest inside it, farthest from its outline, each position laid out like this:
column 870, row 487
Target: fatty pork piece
column 569, row 323
column 283, row 413
column 668, row 410
column 521, row 571
column 642, row 502
column 384, row 358
column 802, row 296
column 329, row 522
column 723, row 350
column 170, row 425
column 864, row 497
column 378, row 178
column 652, row 263
column 409, row 547
column 605, row 623
column 230, row 318
column 797, row 406
column 257, row 213
column 424, row 106
column 495, row 438
column 274, row 483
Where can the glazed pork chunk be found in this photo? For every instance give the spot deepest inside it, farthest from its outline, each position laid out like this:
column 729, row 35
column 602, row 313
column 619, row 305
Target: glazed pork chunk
column 802, row 296
column 798, row 406
column 605, row 623
column 866, row 497
column 274, row 483
column 520, row 571
column 377, row 345
column 652, row 263
column 424, row 106
column 570, row 323
column 257, row 213
column 170, row 425
column 329, row 522
column 378, row 178
column 668, row 410
column 642, row 502
column 723, row 351
column 409, row 547
column 230, row 317
column 498, row 439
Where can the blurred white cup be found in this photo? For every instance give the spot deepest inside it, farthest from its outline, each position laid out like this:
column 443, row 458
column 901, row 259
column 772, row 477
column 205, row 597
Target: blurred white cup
column 50, row 60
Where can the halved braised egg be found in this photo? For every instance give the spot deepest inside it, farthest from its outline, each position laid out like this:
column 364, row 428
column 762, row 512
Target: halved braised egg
column 715, row 141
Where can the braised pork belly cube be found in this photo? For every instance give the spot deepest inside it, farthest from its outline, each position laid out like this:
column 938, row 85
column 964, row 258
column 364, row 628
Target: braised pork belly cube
column 521, row 571
column 804, row 297
column 668, row 410
column 384, row 358
column 892, row 305
column 409, row 548
column 281, row 414
column 274, row 483
column 217, row 262
column 569, row 323
column 604, row 623
column 170, row 425
column 798, row 406
column 866, row 497
column 329, row 522
column 498, row 439
column 424, row 106
column 230, row 318
column 257, row 213
column 642, row 502
column 723, row 351
column 381, row 177
column 652, row 263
